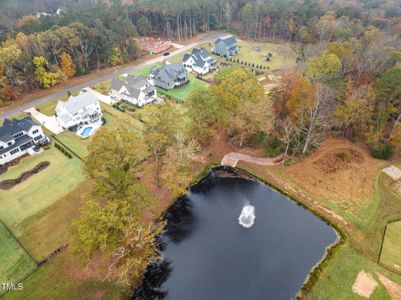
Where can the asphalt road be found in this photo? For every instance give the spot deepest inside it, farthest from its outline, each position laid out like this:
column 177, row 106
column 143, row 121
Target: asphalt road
column 210, row 37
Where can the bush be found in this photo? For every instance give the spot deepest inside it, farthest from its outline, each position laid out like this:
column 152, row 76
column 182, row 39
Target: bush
column 273, row 146
column 62, row 150
column 382, row 151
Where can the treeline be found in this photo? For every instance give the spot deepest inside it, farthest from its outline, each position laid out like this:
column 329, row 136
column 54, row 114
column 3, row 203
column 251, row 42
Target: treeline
column 104, row 37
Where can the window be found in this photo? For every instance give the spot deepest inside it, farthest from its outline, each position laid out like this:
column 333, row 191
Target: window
column 9, row 143
column 1, row 147
column 14, row 151
column 37, row 138
column 35, row 131
column 18, row 135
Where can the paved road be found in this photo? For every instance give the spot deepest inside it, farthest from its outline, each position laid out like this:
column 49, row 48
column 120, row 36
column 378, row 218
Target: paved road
column 128, row 69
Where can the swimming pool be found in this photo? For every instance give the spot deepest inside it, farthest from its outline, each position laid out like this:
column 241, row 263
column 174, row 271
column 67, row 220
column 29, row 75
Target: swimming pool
column 86, row 132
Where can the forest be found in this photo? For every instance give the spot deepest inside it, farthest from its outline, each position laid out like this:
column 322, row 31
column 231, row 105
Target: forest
column 348, row 78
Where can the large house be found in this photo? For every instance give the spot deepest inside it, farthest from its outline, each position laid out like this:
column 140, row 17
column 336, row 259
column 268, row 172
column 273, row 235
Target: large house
column 134, row 89
column 19, row 137
column 79, row 110
column 169, row 75
column 199, row 61
column 226, row 46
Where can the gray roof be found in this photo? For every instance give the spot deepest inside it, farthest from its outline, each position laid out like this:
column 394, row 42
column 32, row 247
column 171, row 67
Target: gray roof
column 116, row 84
column 202, row 52
column 170, row 72
column 12, row 127
column 186, row 57
column 229, row 41
column 18, row 142
column 136, row 81
column 75, row 103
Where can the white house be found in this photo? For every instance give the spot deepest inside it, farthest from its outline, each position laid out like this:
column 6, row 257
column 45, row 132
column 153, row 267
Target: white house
column 226, row 46
column 199, row 61
column 80, row 110
column 18, row 137
column 134, row 89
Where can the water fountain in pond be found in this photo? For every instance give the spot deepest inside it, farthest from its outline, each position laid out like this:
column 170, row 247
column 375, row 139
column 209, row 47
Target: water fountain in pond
column 247, row 216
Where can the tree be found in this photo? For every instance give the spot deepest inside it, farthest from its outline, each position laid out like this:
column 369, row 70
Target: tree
column 112, row 149
column 67, row 65
column 144, row 26
column 175, row 173
column 115, row 57
column 323, row 67
column 45, row 79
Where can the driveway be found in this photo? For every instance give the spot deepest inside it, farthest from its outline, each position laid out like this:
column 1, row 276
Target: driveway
column 49, row 122
column 115, row 74
column 100, row 96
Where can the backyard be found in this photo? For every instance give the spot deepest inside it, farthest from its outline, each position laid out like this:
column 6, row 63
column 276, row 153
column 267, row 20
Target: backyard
column 40, row 190
column 182, row 93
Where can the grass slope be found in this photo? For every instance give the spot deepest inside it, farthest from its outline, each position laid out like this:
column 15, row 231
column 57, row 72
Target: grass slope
column 182, row 93
column 15, row 263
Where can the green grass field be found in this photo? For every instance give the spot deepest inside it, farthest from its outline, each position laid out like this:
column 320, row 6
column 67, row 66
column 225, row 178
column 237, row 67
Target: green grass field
column 59, row 280
column 40, row 190
column 283, row 55
column 391, row 252
column 182, row 93
column 15, row 263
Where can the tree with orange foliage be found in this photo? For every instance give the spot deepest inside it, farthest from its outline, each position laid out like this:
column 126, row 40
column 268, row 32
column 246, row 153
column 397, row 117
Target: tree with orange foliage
column 67, row 65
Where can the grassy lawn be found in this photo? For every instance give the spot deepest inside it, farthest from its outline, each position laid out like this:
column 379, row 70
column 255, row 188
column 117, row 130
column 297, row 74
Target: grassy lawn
column 64, row 279
column 391, row 252
column 74, row 142
column 337, row 278
column 143, row 71
column 102, row 87
column 42, row 189
column 15, row 263
column 283, row 55
column 182, row 93
column 49, row 229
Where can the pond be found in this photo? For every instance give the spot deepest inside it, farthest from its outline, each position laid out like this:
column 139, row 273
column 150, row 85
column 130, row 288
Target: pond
column 208, row 254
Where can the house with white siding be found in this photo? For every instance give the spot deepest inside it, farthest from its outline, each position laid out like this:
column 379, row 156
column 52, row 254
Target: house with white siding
column 19, row 137
column 78, row 111
column 134, row 89
column 200, row 61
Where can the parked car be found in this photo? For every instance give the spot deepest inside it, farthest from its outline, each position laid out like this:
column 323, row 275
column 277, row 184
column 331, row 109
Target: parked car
column 166, row 53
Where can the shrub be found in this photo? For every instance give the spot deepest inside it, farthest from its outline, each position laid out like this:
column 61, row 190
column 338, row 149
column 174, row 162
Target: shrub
column 273, row 146
column 62, row 150
column 382, row 151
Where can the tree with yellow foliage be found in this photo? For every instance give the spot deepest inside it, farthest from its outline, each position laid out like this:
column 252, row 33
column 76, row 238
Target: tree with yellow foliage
column 67, row 65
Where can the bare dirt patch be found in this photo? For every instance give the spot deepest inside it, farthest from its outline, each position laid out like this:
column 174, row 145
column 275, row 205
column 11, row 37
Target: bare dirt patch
column 364, row 285
column 392, row 288
column 340, row 171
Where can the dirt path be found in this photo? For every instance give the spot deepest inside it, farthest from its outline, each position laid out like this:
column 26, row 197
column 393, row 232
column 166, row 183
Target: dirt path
column 231, row 159
column 392, row 288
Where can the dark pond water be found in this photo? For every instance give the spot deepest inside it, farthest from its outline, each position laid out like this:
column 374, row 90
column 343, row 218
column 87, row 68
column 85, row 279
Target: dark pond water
column 208, row 255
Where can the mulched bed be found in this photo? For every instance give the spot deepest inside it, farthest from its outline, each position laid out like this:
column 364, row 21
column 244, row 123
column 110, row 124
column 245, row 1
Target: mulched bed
column 4, row 168
column 9, row 183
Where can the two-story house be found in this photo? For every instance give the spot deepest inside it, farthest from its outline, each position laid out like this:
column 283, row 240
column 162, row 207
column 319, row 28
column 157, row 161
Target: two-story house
column 19, row 137
column 169, row 75
column 226, row 46
column 79, row 110
column 199, row 61
column 134, row 89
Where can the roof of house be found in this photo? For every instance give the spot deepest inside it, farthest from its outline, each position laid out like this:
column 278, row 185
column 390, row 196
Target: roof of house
column 202, row 52
column 170, row 72
column 116, row 84
column 18, row 142
column 136, row 81
column 229, row 41
column 75, row 103
column 11, row 127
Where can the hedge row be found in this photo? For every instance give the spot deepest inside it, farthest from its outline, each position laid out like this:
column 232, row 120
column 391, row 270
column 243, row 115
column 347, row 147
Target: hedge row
column 63, row 150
